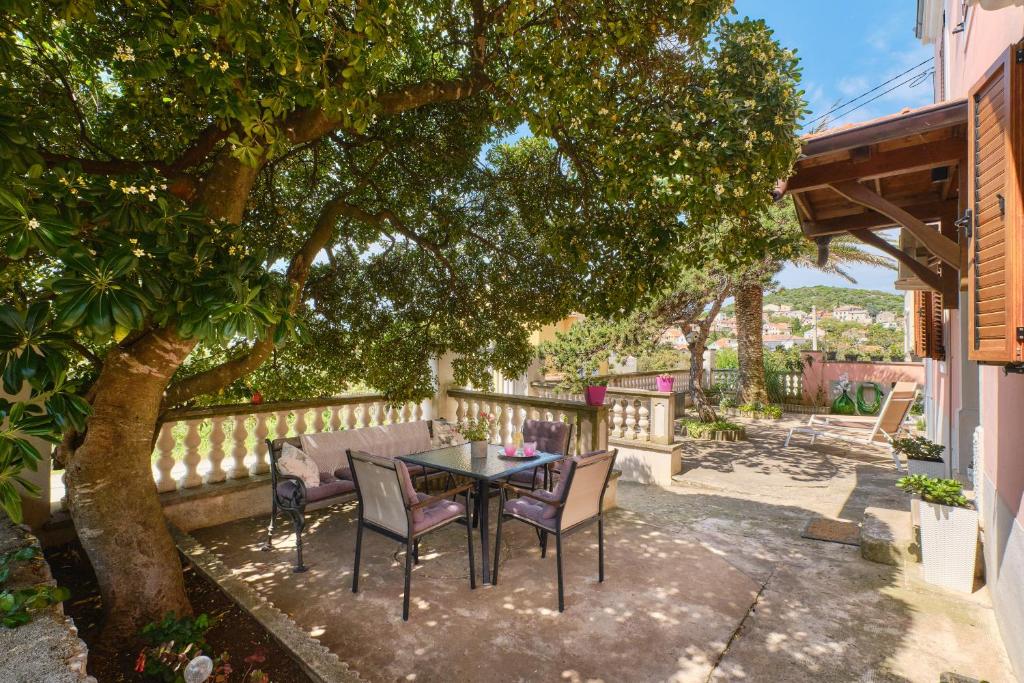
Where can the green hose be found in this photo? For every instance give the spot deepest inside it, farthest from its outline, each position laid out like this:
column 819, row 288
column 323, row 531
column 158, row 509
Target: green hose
column 869, row 408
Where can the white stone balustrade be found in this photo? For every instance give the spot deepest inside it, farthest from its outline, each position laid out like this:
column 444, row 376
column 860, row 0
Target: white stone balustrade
column 194, row 444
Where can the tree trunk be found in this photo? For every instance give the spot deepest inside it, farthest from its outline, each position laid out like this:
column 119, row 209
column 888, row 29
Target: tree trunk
column 111, row 493
column 749, row 296
column 705, row 412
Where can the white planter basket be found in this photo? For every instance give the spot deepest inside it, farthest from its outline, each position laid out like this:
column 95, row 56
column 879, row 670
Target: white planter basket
column 929, row 467
column 949, row 544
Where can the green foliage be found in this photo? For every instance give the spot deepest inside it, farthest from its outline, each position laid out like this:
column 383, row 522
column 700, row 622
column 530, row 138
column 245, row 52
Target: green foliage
column 696, row 429
column 727, row 359
column 828, row 298
column 727, row 402
column 16, row 607
column 761, row 410
column 580, row 352
column 918, row 448
column 170, row 644
column 933, row 490
column 127, row 126
column 478, row 428
column 662, row 357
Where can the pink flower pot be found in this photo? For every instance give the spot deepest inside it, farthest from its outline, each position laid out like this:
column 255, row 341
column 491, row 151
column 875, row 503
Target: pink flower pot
column 664, row 383
column 594, row 396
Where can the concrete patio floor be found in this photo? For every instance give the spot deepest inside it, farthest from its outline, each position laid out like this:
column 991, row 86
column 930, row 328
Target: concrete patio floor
column 706, row 580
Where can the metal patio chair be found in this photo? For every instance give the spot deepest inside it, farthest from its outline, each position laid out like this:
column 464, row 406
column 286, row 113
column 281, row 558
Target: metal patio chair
column 575, row 503
column 391, row 506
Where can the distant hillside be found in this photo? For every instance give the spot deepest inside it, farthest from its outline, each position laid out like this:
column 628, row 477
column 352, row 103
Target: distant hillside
column 827, row 298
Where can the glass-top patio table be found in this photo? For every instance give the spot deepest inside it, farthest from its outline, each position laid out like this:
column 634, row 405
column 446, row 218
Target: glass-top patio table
column 458, row 461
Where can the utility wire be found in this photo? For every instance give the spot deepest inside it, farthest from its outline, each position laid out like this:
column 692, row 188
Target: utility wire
column 911, row 81
column 868, row 92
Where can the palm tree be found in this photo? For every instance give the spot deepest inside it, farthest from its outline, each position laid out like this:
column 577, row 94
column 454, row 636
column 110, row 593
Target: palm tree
column 749, row 285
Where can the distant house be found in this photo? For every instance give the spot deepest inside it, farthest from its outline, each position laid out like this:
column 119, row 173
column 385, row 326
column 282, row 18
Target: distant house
column 725, row 343
column 809, row 334
column 889, row 320
column 781, row 309
column 775, row 328
column 795, row 314
column 724, row 325
column 851, row 314
column 781, row 341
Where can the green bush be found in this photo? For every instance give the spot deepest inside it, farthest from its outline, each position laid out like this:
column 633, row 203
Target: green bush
column 758, row 409
column 696, row 429
column 918, row 448
column 727, row 402
column 16, row 606
column 934, row 490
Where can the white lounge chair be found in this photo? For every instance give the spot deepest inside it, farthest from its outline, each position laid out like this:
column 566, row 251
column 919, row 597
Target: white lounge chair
column 864, row 430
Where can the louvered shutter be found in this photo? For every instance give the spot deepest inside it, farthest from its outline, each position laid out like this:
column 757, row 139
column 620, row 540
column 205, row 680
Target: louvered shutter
column 927, row 323
column 994, row 277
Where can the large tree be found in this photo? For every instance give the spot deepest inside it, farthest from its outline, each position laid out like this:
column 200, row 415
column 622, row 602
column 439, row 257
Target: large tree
column 187, row 187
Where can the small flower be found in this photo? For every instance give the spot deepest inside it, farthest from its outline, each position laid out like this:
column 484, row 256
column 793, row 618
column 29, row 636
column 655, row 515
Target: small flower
column 151, row 197
column 719, row 190
column 139, row 253
column 123, row 53
column 113, row 184
column 33, row 224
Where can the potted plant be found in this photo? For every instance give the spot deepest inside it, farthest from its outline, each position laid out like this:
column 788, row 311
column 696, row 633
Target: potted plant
column 664, row 382
column 852, row 356
column 830, row 355
column 923, row 456
column 727, row 404
column 477, row 432
column 949, row 531
column 594, row 391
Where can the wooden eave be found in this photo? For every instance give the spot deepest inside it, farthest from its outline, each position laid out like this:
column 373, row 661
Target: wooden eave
column 902, row 171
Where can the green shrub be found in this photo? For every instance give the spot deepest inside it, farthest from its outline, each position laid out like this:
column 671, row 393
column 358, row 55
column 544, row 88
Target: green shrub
column 918, row 448
column 758, row 409
column 696, row 429
column 16, row 606
column 934, row 490
column 727, row 402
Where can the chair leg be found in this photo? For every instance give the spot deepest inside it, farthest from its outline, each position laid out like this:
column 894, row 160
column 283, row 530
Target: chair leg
column 269, row 545
column 469, row 545
column 561, row 592
column 543, row 544
column 788, row 438
column 408, row 579
column 600, row 549
column 497, row 549
column 416, row 551
column 359, row 547
column 300, row 523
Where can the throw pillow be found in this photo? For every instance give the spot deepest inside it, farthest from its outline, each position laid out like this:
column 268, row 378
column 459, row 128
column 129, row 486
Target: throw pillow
column 293, row 461
column 445, row 434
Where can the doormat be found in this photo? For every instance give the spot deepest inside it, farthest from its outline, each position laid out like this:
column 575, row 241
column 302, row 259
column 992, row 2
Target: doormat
column 833, row 531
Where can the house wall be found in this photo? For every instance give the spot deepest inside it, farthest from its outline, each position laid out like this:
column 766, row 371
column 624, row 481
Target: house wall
column 821, row 372
column 999, row 442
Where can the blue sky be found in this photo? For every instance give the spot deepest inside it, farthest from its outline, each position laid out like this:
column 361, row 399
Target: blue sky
column 845, row 49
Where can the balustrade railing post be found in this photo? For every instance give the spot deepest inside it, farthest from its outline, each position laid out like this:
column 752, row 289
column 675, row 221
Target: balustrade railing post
column 165, row 458
column 663, row 418
column 191, row 478
column 630, row 432
column 216, row 455
column 239, row 448
column 262, row 463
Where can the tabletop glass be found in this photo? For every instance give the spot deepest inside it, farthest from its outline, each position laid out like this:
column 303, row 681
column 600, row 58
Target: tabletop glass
column 457, row 460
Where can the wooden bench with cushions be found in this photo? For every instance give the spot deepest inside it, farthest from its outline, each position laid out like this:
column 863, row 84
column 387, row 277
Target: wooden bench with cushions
column 291, row 494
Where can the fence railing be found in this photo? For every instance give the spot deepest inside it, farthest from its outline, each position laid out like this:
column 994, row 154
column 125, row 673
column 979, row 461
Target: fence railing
column 635, row 414
column 782, row 387
column 208, row 445
column 590, row 423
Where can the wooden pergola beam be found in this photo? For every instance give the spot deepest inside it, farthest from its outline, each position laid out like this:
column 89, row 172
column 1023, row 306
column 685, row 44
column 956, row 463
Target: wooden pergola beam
column 879, row 165
column 926, row 212
column 943, row 247
column 923, row 273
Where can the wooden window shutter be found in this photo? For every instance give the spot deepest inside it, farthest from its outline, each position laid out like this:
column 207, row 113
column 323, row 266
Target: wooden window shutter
column 995, row 269
column 927, row 324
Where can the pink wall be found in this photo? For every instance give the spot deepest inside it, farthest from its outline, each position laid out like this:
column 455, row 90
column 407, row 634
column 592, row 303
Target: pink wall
column 988, row 33
column 1002, row 422
column 821, row 372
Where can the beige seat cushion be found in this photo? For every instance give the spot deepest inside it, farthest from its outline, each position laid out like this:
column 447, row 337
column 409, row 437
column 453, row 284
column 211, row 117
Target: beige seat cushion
column 327, row 449
column 294, row 462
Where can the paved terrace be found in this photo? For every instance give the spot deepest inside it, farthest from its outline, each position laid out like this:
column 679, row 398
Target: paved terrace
column 707, row 580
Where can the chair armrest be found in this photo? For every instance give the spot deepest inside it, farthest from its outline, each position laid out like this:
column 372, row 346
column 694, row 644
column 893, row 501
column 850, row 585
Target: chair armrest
column 442, row 496
column 529, row 494
column 300, row 489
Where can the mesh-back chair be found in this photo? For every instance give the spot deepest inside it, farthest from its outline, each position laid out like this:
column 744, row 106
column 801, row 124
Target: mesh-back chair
column 391, row 506
column 551, row 437
column 576, row 502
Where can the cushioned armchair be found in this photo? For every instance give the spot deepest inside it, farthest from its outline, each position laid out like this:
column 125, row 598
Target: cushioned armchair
column 575, row 503
column 391, row 506
column 551, row 437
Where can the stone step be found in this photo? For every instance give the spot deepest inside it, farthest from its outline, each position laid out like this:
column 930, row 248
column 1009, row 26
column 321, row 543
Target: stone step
column 887, row 537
